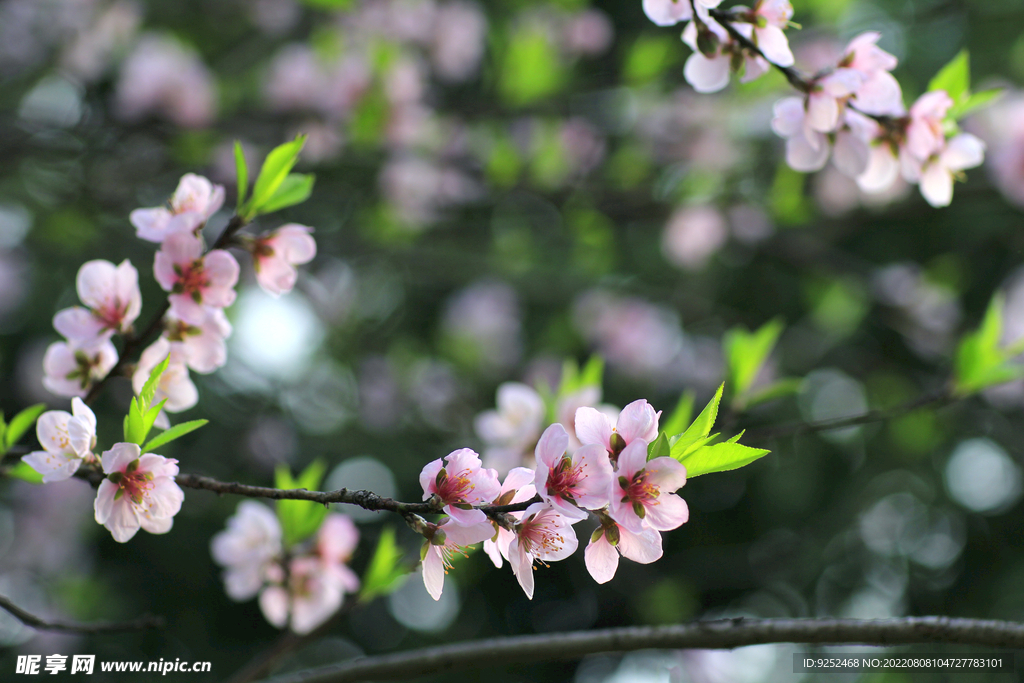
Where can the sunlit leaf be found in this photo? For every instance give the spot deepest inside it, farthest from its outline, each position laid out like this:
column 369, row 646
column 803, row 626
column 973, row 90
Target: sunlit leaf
column 384, row 575
column 175, row 432
column 20, row 424
column 300, row 519
column 721, row 457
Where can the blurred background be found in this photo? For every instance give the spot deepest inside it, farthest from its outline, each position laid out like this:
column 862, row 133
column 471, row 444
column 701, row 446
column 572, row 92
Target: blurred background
column 501, row 186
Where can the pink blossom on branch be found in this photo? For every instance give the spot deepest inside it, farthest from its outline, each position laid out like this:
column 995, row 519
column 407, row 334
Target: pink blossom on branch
column 69, row 369
column 194, row 280
column 543, row 534
column 448, row 540
column 247, row 549
column 194, row 201
column 569, row 483
column 638, row 420
column 202, row 346
column 517, row 488
column 276, row 254
column 138, row 492
column 611, row 540
column 937, row 174
column 460, row 482
column 112, row 302
column 642, row 492
column 67, row 440
column 175, row 385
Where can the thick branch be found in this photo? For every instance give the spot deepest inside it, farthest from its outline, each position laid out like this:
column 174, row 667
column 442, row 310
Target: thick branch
column 143, row 622
column 723, row 634
column 364, row 499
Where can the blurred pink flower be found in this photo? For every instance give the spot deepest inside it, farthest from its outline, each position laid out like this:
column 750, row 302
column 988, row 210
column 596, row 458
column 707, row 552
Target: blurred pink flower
column 692, row 235
column 112, row 299
column 247, row 548
column 69, row 370
column 194, row 201
column 276, row 254
column 162, row 77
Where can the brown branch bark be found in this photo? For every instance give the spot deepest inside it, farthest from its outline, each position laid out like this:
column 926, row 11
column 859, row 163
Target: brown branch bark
column 143, row 622
column 721, row 634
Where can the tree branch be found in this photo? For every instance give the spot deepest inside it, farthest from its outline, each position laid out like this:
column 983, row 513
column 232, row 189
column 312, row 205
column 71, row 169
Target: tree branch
column 143, row 622
column 364, row 499
column 720, row 634
column 937, row 398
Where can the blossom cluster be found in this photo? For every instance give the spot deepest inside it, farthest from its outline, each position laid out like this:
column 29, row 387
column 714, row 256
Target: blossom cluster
column 199, row 283
column 603, row 470
column 852, row 111
column 301, row 588
column 138, row 490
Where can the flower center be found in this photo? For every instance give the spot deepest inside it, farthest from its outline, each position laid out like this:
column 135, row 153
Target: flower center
column 132, row 483
column 538, row 537
column 565, row 478
column 454, row 488
column 192, row 279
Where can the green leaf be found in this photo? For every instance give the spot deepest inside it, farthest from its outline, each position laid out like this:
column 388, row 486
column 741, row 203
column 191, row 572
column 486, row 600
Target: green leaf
column 954, row 78
column 134, row 423
column 980, row 362
column 175, row 432
column 681, row 416
column 276, row 168
column 383, row 575
column 685, row 450
column 241, row 175
column 746, row 352
column 720, row 457
column 659, row 447
column 3, row 432
column 531, row 68
column 295, row 189
column 20, row 424
column 973, row 102
column 300, row 519
column 149, row 419
column 149, row 388
column 592, row 373
column 25, row 473
column 701, row 427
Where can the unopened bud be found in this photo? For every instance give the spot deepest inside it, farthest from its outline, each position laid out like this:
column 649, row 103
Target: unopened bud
column 612, row 534
column 616, row 442
column 707, row 41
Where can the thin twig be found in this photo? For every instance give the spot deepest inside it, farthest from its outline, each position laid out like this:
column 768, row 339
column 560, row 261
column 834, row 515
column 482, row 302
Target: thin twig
column 721, row 634
column 143, row 622
column 938, row 399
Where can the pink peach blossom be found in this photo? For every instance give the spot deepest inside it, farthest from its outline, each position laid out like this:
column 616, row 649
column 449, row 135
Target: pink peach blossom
column 194, row 280
column 638, row 420
column 139, row 491
column 335, row 542
column 112, row 302
column 247, row 548
column 569, row 483
column 460, row 482
column 642, row 492
column 511, row 430
column 543, row 534
column 276, row 254
column 70, row 369
column 175, row 385
column 67, row 440
column 194, row 201
column 611, row 540
column 449, row 539
column 302, row 599
column 203, row 346
column 937, row 174
column 517, row 488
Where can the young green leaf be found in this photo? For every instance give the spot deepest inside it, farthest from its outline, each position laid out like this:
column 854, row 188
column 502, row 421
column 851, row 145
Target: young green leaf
column 681, row 416
column 175, row 432
column 659, row 447
column 149, row 419
column 746, row 353
column 782, row 387
column 25, row 473
column 300, row 519
column 3, row 434
column 241, row 175
column 149, row 388
column 954, row 77
column 973, row 102
column 720, row 457
column 295, row 189
column 275, row 169
column 980, row 361
column 134, row 423
column 20, row 424
column 592, row 373
column 383, row 575
column 701, row 427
